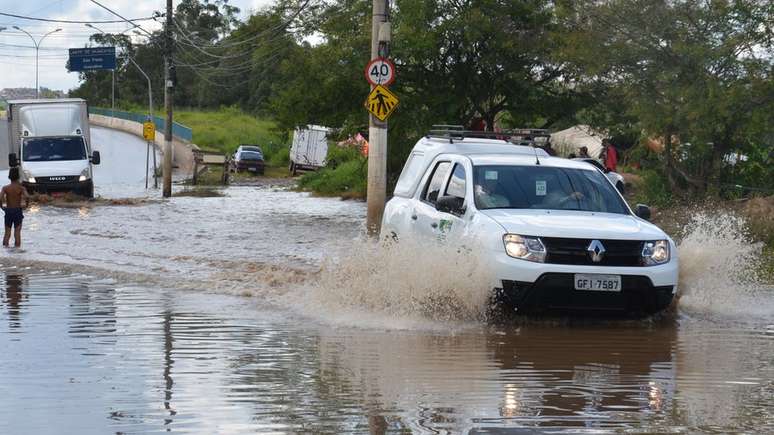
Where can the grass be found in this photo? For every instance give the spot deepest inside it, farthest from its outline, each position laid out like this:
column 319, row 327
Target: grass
column 345, row 176
column 212, row 176
column 225, row 129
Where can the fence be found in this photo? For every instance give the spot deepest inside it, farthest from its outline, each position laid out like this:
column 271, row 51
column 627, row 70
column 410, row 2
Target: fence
column 179, row 130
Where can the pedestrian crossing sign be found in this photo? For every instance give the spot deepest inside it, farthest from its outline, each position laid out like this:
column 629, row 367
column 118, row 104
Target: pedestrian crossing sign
column 381, row 102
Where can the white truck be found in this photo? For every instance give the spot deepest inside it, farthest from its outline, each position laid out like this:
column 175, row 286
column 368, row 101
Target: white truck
column 309, row 149
column 49, row 140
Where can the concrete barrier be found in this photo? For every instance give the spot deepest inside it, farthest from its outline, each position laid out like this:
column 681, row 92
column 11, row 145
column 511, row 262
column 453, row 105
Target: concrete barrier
column 182, row 153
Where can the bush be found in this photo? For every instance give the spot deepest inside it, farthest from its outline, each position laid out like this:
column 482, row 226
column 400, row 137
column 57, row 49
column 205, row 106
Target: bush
column 345, row 175
column 277, row 156
column 654, row 189
column 338, row 155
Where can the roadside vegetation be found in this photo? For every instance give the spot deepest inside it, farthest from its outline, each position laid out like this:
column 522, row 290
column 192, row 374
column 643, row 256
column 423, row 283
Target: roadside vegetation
column 344, row 176
column 223, row 129
column 683, row 88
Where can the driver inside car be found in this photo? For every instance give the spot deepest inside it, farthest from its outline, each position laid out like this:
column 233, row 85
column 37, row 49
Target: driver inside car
column 553, row 195
column 489, row 193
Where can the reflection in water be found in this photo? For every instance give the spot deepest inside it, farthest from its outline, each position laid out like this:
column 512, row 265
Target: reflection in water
column 13, row 299
column 168, row 340
column 530, row 376
column 100, row 358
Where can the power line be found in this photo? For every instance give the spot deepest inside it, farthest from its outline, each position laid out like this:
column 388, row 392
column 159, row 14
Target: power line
column 227, row 43
column 120, row 16
column 49, row 20
column 2, row 44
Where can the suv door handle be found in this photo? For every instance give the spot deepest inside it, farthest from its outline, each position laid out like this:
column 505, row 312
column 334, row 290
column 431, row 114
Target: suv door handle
column 434, row 225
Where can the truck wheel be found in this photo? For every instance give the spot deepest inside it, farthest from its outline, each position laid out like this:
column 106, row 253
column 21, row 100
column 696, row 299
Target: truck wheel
column 88, row 191
column 293, row 170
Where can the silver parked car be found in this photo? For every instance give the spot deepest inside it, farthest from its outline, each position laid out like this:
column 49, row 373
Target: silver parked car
column 614, row 177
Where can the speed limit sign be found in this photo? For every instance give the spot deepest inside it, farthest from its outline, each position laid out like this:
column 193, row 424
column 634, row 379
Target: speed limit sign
column 380, row 71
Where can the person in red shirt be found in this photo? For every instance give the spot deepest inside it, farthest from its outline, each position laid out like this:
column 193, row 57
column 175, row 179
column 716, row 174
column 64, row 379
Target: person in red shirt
column 609, row 155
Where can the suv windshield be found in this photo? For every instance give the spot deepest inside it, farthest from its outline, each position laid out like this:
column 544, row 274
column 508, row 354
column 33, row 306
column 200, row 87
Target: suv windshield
column 543, row 187
column 48, row 149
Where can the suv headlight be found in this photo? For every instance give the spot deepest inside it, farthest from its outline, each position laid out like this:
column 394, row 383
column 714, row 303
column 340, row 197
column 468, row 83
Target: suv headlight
column 524, row 248
column 655, row 252
column 85, row 175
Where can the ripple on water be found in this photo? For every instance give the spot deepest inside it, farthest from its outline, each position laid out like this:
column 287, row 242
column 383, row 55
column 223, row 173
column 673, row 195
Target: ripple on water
column 98, row 356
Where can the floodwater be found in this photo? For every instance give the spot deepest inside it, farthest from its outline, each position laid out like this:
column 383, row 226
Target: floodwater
column 262, row 311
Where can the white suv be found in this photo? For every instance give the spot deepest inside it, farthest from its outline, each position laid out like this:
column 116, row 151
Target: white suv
column 557, row 232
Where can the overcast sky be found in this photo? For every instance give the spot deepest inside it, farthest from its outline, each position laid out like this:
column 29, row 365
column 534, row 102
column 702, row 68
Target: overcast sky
column 17, row 57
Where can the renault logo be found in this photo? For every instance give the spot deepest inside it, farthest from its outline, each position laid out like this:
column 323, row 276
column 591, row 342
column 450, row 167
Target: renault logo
column 596, row 251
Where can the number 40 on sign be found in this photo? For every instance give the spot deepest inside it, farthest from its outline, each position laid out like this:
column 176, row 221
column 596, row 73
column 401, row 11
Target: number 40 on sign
column 380, row 71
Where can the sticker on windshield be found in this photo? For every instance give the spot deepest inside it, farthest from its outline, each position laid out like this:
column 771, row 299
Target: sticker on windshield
column 540, row 188
column 490, row 175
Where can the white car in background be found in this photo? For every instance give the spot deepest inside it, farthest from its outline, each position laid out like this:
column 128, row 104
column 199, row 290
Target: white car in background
column 614, row 177
column 558, row 234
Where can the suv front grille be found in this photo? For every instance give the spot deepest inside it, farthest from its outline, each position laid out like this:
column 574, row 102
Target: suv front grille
column 574, row 252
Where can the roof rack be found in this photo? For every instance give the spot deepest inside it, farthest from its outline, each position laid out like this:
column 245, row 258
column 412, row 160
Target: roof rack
column 521, row 136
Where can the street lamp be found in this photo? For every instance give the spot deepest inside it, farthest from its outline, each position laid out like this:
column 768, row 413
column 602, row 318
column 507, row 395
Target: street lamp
column 150, row 111
column 37, row 50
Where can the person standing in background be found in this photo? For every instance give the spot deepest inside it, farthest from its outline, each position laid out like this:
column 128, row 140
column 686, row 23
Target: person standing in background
column 609, row 156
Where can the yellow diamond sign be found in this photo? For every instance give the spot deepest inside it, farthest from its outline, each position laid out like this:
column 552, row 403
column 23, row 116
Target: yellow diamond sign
column 149, row 131
column 381, row 102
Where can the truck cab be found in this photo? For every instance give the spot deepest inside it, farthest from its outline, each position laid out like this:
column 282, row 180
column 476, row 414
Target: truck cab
column 50, row 142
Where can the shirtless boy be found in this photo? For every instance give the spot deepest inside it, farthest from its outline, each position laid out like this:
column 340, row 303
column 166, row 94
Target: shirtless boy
column 11, row 197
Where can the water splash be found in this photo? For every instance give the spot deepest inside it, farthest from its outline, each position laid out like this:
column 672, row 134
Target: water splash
column 399, row 285
column 719, row 268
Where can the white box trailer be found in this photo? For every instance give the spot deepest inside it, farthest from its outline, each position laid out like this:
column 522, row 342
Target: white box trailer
column 50, row 141
column 309, row 149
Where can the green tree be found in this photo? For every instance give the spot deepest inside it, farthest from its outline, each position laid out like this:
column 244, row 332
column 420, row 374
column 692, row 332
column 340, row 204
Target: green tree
column 695, row 73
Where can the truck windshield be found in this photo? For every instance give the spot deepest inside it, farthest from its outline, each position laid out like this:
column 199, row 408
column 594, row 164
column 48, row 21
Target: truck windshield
column 49, row 149
column 546, row 188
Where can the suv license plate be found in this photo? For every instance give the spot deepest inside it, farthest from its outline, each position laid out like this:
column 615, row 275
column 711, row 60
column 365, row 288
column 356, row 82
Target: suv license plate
column 605, row 283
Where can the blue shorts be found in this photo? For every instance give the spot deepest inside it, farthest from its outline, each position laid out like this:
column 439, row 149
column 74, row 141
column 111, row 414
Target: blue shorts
column 13, row 217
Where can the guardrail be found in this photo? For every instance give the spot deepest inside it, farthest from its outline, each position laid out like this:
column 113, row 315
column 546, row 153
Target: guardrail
column 181, row 131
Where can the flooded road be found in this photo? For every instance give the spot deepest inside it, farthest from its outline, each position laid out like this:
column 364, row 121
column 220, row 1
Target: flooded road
column 84, row 355
column 261, row 312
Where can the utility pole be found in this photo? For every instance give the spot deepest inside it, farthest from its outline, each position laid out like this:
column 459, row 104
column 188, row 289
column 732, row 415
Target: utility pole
column 168, row 96
column 376, row 193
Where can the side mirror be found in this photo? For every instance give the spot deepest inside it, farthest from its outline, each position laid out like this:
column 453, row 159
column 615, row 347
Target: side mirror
column 95, row 158
column 13, row 160
column 450, row 204
column 607, row 170
column 642, row 211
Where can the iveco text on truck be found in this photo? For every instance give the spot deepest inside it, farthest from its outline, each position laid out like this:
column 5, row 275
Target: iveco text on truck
column 50, row 142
